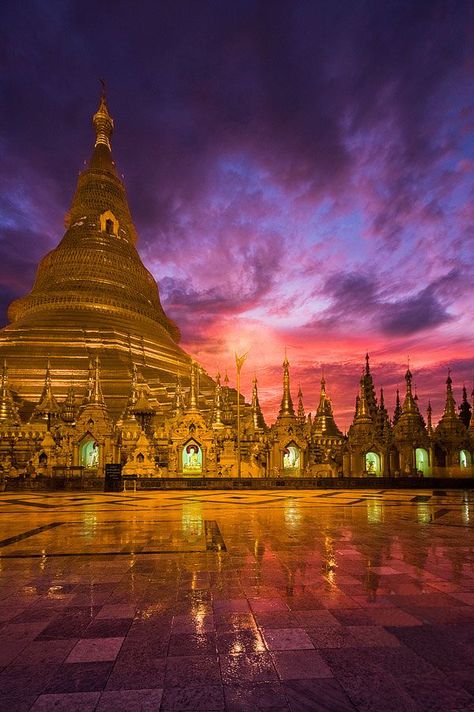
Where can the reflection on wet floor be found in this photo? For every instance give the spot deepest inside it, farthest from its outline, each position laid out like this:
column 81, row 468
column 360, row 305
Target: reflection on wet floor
column 222, row 601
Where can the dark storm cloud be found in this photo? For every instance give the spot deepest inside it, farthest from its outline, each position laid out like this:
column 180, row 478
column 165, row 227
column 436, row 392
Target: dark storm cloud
column 282, row 81
column 414, row 314
column 426, row 309
column 269, row 149
column 358, row 298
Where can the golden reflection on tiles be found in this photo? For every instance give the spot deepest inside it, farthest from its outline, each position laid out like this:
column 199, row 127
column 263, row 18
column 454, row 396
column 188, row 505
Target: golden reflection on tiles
column 199, row 595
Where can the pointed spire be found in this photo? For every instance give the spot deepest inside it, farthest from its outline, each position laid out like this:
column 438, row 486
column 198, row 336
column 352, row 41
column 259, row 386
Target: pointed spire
column 97, row 397
column 193, row 395
column 300, row 414
column 382, row 421
column 324, row 423
column 410, row 424
column 465, row 409
column 286, row 407
column 90, row 381
column 133, row 395
column 69, row 406
column 142, row 409
column 134, row 385
column 257, row 415
column 369, row 389
column 217, row 410
column 450, row 426
column 409, row 404
column 179, row 403
column 8, row 410
column 363, row 413
column 103, row 122
column 227, row 412
column 94, row 396
column 429, row 416
column 450, row 405
column 47, row 406
column 398, row 409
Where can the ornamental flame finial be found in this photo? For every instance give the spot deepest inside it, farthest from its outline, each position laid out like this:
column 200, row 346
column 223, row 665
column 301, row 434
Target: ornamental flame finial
column 103, row 122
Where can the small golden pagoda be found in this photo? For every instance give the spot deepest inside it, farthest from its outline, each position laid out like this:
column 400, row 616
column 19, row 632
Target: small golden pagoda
column 93, row 296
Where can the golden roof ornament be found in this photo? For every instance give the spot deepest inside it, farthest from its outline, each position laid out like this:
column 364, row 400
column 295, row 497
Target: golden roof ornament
column 257, row 415
column 323, row 422
column 179, row 403
column 300, row 412
column 69, row 406
column 103, row 122
column 96, row 397
column 363, row 413
column 286, row 407
column 47, row 406
column 217, row 411
column 193, row 396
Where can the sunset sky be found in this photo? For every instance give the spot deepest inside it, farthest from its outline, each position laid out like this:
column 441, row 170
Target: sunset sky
column 300, row 174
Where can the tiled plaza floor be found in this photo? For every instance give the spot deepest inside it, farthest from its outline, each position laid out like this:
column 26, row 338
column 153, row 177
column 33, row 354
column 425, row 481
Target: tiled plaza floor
column 237, row 601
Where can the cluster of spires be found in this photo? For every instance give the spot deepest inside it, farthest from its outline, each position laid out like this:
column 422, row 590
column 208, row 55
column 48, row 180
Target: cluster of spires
column 140, row 406
column 367, row 410
column 48, row 407
column 323, row 422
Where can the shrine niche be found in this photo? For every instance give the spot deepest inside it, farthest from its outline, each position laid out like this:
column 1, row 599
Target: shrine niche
column 109, row 223
column 192, row 458
column 89, row 453
column 372, row 463
column 422, row 461
column 465, row 459
column 291, row 458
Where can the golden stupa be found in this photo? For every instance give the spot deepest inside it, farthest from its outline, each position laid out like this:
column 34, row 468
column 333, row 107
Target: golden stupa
column 93, row 296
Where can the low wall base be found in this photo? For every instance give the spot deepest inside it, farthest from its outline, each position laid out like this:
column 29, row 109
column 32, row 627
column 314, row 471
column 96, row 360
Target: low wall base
column 232, row 483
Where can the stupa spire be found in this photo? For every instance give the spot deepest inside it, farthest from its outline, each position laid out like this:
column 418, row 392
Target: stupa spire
column 96, row 396
column 286, row 407
column 69, row 406
column 363, row 412
column 429, row 419
column 465, row 409
column 193, row 395
column 300, row 412
column 323, row 422
column 369, row 389
column 398, row 409
column 48, row 405
column 450, row 405
column 409, row 404
column 382, row 421
column 179, row 402
column 257, row 415
column 142, row 409
column 103, row 122
column 217, row 410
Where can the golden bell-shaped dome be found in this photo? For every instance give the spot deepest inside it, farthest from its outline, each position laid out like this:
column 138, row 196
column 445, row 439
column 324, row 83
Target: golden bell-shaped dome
column 92, row 294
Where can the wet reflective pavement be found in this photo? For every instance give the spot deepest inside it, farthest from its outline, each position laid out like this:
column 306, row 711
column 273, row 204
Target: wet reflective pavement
column 237, row 601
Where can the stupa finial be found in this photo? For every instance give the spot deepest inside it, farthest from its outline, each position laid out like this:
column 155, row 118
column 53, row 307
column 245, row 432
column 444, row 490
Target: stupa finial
column 102, row 121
